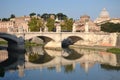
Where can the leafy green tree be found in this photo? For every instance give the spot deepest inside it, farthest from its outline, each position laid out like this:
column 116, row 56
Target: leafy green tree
column 32, row 14
column 67, row 26
column 38, row 15
column 50, row 24
column 35, row 24
column 5, row 19
column 110, row 27
column 61, row 16
column 45, row 16
column 68, row 68
column 12, row 16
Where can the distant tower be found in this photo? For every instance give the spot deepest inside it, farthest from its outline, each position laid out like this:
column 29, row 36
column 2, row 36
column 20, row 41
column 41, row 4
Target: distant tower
column 86, row 27
column 74, row 27
column 57, row 24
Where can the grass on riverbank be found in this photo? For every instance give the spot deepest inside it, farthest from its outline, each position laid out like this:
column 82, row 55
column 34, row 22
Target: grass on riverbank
column 114, row 50
column 3, row 42
column 27, row 43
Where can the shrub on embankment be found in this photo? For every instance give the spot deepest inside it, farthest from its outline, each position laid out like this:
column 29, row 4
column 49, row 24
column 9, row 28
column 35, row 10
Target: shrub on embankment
column 114, row 50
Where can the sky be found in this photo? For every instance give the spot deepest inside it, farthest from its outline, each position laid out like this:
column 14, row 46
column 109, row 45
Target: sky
column 72, row 8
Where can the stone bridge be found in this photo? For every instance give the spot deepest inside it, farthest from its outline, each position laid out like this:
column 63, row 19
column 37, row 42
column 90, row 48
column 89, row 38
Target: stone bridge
column 13, row 41
column 54, row 39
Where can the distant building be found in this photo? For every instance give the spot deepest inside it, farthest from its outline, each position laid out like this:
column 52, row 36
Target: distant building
column 115, row 20
column 4, row 25
column 80, row 24
column 21, row 22
column 14, row 24
column 104, row 17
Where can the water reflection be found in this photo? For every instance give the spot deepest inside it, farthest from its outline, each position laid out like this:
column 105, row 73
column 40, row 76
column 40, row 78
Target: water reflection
column 3, row 55
column 68, row 57
column 11, row 60
column 67, row 61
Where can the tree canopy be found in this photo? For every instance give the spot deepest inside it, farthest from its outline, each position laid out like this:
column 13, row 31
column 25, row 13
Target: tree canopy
column 5, row 19
column 61, row 16
column 35, row 24
column 12, row 16
column 45, row 16
column 32, row 14
column 50, row 24
column 67, row 26
column 110, row 27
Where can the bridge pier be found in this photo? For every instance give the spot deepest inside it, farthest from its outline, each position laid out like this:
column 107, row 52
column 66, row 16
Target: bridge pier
column 16, row 45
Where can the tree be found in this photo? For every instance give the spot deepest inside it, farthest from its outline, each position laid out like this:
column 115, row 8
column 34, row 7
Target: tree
column 12, row 16
column 45, row 16
column 38, row 15
column 50, row 24
column 68, row 24
column 32, row 14
column 5, row 19
column 110, row 27
column 61, row 16
column 35, row 24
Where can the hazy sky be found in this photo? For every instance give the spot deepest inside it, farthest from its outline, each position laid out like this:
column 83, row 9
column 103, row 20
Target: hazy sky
column 72, row 8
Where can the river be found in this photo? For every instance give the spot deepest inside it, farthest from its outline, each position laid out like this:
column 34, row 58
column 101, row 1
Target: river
column 38, row 63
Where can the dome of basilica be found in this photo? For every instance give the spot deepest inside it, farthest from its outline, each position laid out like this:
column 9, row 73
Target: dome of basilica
column 104, row 13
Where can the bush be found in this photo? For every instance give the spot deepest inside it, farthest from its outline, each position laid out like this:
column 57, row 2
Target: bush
column 114, row 50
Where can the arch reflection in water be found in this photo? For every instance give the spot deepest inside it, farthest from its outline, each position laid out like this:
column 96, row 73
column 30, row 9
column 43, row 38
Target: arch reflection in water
column 37, row 55
column 86, row 58
column 15, row 60
column 3, row 55
column 64, row 64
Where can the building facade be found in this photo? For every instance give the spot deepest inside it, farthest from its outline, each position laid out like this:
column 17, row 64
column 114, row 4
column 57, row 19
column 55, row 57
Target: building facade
column 4, row 25
column 81, row 23
column 14, row 24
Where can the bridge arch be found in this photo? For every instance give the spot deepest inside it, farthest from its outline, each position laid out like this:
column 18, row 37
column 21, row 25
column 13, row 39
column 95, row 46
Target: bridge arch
column 8, row 37
column 14, row 42
column 73, row 55
column 45, row 39
column 70, row 40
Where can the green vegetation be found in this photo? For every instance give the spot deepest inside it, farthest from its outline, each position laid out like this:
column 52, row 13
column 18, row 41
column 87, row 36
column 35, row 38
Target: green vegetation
column 114, row 50
column 12, row 16
column 110, row 67
column 110, row 27
column 32, row 14
column 27, row 43
column 61, row 16
column 68, row 68
column 3, row 42
column 39, row 59
column 67, row 26
column 50, row 24
column 35, row 24
column 33, row 57
column 45, row 16
column 8, row 19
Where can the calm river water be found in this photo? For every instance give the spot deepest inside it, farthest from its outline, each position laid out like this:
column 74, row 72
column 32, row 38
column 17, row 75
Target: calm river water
column 69, row 64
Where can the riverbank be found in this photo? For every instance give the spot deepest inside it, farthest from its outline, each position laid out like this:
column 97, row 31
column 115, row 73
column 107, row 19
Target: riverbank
column 102, row 48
